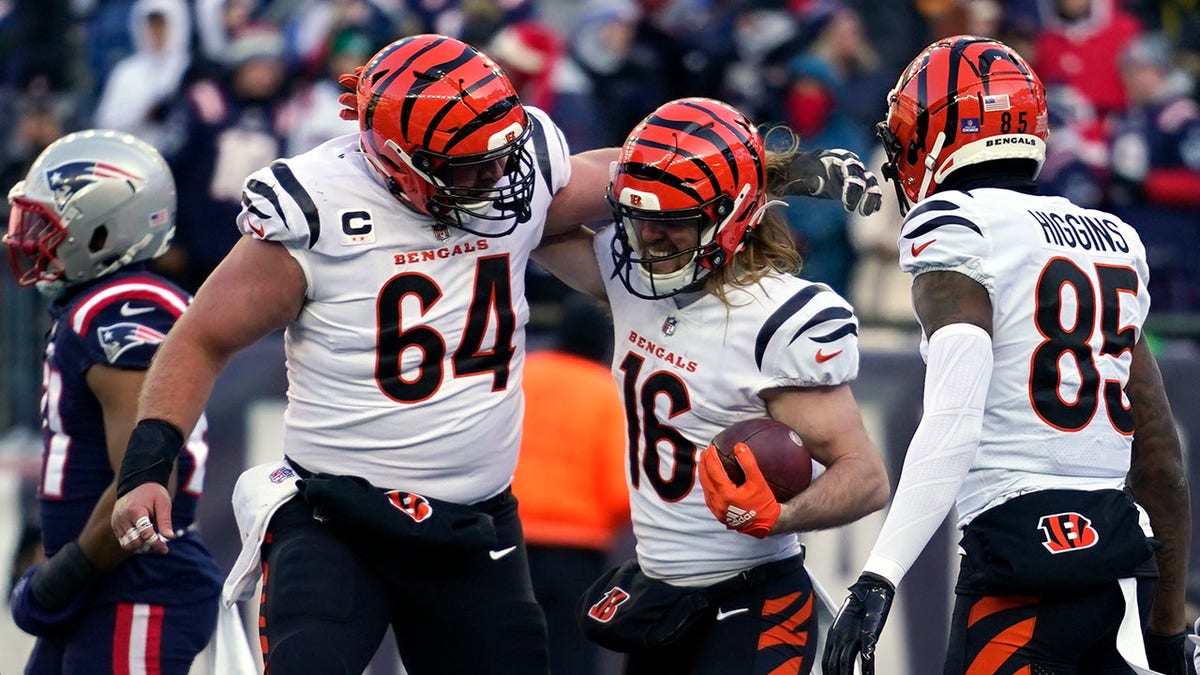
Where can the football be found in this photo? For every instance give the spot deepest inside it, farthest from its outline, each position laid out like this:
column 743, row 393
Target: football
column 781, row 455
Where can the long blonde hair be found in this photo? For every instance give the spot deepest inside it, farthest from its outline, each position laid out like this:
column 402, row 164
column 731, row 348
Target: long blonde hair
column 771, row 247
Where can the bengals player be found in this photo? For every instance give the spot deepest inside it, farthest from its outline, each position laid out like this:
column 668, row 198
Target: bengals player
column 1045, row 422
column 712, row 326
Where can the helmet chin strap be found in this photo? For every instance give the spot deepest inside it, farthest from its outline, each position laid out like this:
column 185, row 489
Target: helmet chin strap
column 131, row 253
column 930, row 163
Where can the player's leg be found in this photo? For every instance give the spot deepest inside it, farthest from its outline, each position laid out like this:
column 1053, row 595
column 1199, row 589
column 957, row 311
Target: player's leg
column 323, row 609
column 767, row 628
column 560, row 575
column 1049, row 635
column 463, row 613
column 46, row 657
column 128, row 637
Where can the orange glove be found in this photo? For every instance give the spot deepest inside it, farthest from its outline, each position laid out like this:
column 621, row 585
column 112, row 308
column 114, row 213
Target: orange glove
column 349, row 99
column 750, row 507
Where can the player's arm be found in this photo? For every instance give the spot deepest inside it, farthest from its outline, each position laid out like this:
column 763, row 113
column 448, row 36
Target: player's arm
column 855, row 481
column 1160, row 484
column 257, row 289
column 956, row 313
column 582, row 199
column 570, row 257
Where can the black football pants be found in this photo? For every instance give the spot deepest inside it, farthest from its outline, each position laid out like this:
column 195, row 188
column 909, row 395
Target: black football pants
column 327, row 601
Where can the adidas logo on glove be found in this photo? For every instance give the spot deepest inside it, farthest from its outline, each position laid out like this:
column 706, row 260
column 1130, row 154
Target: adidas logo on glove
column 736, row 517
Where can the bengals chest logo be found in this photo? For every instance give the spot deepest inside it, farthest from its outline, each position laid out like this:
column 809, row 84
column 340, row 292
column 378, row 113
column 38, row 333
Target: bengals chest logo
column 604, row 610
column 1067, row 532
column 413, row 505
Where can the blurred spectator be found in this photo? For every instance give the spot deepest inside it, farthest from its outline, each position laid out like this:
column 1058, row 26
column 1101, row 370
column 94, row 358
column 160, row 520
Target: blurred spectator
column 312, row 112
column 531, row 53
column 1077, row 150
column 840, row 40
column 217, row 22
column 570, row 478
column 1156, row 171
column 137, row 96
column 634, row 64
column 40, row 119
column 764, row 37
column 35, row 45
column 228, row 128
column 312, row 28
column 812, row 107
column 879, row 289
column 1078, row 46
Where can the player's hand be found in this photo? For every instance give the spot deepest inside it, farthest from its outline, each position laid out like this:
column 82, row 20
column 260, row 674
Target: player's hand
column 749, row 508
column 856, row 628
column 349, row 99
column 1166, row 654
column 141, row 519
column 835, row 174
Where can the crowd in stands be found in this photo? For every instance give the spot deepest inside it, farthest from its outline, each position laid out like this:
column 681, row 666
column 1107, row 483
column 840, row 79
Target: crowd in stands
column 223, row 86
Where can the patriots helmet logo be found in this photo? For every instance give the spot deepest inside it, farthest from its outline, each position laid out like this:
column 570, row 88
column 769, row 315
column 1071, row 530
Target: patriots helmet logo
column 67, row 179
column 121, row 337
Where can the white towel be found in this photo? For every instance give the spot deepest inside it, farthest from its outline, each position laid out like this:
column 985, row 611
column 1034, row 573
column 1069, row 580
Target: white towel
column 259, row 492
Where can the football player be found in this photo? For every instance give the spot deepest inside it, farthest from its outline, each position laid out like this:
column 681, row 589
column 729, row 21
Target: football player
column 1045, row 421
column 94, row 208
column 395, row 259
column 712, row 326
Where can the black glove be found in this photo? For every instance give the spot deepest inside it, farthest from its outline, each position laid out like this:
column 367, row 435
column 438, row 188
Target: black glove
column 1166, row 653
column 399, row 517
column 856, row 628
column 50, row 597
column 835, row 174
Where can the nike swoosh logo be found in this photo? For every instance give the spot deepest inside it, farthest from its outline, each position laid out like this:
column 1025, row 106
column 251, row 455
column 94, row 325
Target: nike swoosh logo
column 127, row 310
column 822, row 357
column 916, row 250
column 256, row 229
column 496, row 555
column 722, row 614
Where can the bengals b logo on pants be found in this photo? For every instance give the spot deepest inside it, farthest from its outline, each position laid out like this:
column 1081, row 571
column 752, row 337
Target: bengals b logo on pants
column 1068, row 531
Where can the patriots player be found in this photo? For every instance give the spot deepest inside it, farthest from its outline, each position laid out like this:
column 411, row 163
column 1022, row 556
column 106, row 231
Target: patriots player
column 712, row 326
column 1045, row 420
column 95, row 206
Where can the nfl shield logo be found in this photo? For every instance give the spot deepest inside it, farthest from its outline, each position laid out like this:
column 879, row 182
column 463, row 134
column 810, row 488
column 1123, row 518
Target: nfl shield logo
column 669, row 325
column 281, row 474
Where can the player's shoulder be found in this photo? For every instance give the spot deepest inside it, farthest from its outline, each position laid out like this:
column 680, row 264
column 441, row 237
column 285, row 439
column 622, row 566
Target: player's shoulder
column 134, row 297
column 282, row 201
column 551, row 155
column 792, row 311
column 953, row 230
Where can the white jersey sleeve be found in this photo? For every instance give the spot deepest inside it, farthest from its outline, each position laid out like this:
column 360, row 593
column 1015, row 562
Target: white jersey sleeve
column 276, row 207
column 942, row 234
column 811, row 339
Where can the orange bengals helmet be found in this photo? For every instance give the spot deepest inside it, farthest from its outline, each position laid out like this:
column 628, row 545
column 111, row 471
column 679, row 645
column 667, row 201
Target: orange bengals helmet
column 433, row 112
column 693, row 162
column 962, row 101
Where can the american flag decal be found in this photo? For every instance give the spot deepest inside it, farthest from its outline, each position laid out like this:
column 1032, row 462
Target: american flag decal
column 158, row 218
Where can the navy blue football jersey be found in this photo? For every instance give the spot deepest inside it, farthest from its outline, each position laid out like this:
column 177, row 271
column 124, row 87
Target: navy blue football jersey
column 118, row 321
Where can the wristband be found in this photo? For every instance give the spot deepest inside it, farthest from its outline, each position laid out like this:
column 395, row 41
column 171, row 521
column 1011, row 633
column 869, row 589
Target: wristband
column 150, row 455
column 63, row 577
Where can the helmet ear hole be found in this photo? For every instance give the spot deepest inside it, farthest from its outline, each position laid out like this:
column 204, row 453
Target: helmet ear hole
column 99, row 239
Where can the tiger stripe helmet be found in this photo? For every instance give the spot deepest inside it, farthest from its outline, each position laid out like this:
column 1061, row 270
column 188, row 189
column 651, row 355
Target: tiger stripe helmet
column 692, row 162
column 962, row 101
column 433, row 111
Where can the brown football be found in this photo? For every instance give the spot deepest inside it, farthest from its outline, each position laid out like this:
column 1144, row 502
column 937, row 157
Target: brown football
column 781, row 455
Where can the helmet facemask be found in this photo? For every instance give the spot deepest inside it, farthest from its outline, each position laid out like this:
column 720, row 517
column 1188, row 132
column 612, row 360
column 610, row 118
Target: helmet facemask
column 659, row 277
column 34, row 234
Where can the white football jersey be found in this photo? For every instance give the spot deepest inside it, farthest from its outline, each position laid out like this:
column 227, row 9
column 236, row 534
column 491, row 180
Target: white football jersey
column 689, row 368
column 404, row 365
column 1069, row 297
